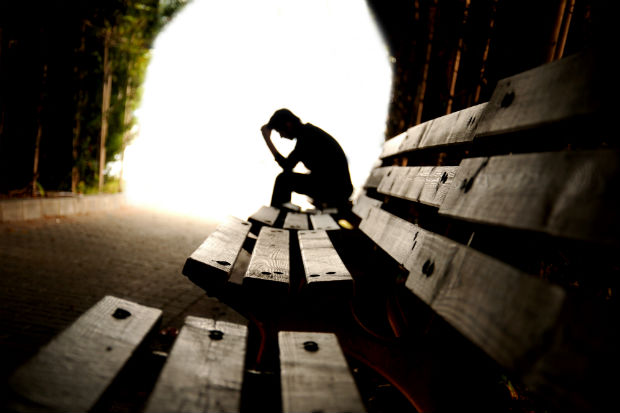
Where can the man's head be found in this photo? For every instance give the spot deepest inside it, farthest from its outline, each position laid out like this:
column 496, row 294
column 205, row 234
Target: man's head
column 285, row 122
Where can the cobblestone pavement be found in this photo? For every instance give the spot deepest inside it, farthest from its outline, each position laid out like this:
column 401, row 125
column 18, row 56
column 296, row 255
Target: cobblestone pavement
column 52, row 270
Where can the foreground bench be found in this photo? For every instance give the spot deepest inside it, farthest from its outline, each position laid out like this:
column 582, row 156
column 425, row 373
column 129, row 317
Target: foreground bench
column 477, row 271
column 494, row 228
column 204, row 371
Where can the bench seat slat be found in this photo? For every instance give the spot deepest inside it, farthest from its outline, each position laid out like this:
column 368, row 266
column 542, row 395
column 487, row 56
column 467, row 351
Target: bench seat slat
column 212, row 262
column 266, row 215
column 324, row 222
column 570, row 194
column 322, row 264
column 204, row 371
column 270, row 261
column 296, row 220
column 314, row 374
column 73, row 370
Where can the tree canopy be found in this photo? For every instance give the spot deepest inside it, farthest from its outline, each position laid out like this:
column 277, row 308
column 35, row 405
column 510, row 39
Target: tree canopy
column 70, row 77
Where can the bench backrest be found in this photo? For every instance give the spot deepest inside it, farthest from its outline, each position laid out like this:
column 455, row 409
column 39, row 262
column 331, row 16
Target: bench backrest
column 506, row 218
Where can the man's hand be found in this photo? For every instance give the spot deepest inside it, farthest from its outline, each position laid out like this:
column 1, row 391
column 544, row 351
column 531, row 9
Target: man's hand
column 266, row 131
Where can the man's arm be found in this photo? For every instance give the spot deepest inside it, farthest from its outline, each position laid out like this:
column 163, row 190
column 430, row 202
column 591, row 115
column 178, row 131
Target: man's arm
column 281, row 160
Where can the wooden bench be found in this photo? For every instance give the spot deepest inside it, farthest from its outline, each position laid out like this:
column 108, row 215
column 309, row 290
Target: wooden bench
column 477, row 271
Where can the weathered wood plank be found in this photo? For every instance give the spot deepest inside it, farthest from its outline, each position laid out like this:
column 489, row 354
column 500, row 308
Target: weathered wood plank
column 270, row 261
column 540, row 96
column 457, row 127
column 204, row 371
column 322, row 264
column 362, row 205
column 437, row 185
column 428, row 262
column 324, row 222
column 73, row 370
column 393, row 234
column 266, row 215
column 570, row 194
column 507, row 313
column 414, row 136
column 375, row 176
column 296, row 220
column 315, row 375
column 211, row 263
column 392, row 146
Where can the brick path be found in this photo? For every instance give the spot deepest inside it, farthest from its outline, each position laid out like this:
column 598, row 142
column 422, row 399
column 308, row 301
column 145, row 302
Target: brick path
column 52, row 270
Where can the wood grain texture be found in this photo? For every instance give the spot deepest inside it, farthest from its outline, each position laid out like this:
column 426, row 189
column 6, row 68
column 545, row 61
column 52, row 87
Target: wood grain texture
column 270, row 261
column 393, row 234
column 318, row 380
column 73, row 370
column 392, row 146
column 213, row 260
column 204, row 371
column 428, row 263
column 324, row 222
column 322, row 264
column 266, row 215
column 296, row 220
column 507, row 313
column 437, row 185
column 540, row 96
column 375, row 176
column 457, row 127
column 363, row 204
column 570, row 194
column 414, row 136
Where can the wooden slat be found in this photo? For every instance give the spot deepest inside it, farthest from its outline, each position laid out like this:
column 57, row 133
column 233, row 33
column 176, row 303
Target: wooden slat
column 266, row 215
column 457, row 127
column 322, row 264
column 324, row 222
column 393, row 234
column 392, row 146
column 375, row 177
column 315, row 375
column 427, row 263
column 73, row 370
column 507, row 313
column 570, row 194
column 212, row 262
column 204, row 371
column 405, row 182
column 437, row 185
column 414, row 136
column 362, row 205
column 296, row 220
column 540, row 96
column 270, row 262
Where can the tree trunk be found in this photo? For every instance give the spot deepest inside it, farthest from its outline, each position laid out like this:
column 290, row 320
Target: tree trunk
column 105, row 105
column 457, row 60
column 77, row 129
column 427, row 62
column 37, row 141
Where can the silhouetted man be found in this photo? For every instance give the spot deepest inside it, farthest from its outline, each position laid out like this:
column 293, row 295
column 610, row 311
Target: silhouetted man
column 328, row 183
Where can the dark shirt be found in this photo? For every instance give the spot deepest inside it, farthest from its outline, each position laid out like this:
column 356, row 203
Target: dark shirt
column 322, row 155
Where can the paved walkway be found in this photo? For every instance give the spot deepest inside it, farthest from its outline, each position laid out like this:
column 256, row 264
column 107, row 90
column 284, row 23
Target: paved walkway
column 52, row 270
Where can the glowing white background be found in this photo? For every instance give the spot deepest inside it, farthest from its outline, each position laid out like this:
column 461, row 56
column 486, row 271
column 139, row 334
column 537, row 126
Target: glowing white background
column 219, row 71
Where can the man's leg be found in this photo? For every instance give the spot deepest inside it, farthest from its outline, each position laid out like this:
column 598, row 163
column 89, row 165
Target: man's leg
column 288, row 182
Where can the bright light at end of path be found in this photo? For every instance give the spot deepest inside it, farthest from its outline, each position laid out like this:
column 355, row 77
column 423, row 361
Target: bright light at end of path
column 217, row 74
